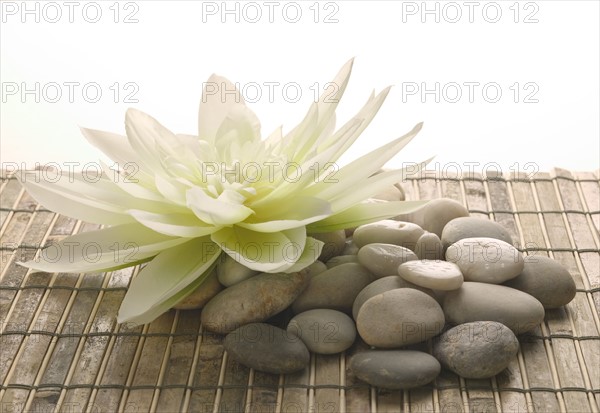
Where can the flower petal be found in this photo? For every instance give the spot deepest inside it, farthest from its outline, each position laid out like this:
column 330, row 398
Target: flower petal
column 311, row 252
column 227, row 209
column 260, row 251
column 173, row 224
column 219, row 95
column 293, row 212
column 165, row 278
column 109, row 248
column 365, row 213
column 144, row 132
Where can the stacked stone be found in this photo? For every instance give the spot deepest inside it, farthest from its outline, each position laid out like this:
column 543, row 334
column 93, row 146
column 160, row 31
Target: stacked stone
column 435, row 276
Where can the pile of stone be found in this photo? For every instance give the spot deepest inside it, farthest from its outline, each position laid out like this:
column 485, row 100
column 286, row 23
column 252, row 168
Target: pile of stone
column 436, row 276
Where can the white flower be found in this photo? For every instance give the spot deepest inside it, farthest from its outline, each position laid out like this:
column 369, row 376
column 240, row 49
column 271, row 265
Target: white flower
column 181, row 200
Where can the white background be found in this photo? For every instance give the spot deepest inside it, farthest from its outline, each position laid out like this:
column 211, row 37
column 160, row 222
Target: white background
column 548, row 51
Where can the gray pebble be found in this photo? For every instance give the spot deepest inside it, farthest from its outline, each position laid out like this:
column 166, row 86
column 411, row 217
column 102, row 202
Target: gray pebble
column 202, row 295
column 434, row 274
column 399, row 317
column 388, row 231
column 382, row 285
column 265, row 347
column 253, row 300
column 545, row 279
column 487, row 260
column 395, row 369
column 351, row 248
column 429, row 247
column 231, row 272
column 324, row 331
column 475, row 301
column 436, row 214
column 476, row 350
column 341, row 259
column 335, row 242
column 383, row 259
column 470, row 227
column 335, row 289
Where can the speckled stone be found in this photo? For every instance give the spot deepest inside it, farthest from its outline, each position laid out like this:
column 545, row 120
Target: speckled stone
column 324, row 331
column 429, row 247
column 399, row 317
column 383, row 259
column 335, row 289
column 341, row 259
column 487, row 260
column 382, row 285
column 545, row 279
column 253, row 300
column 471, row 227
column 202, row 294
column 388, row 231
column 335, row 242
column 434, row 274
column 475, row 301
column 476, row 350
column 267, row 348
column 230, row 272
column 395, row 369
column 434, row 216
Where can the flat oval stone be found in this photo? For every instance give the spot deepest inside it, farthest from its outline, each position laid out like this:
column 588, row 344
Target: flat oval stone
column 335, row 289
column 545, row 279
column 487, row 260
column 395, row 369
column 323, row 331
column 388, row 231
column 475, row 301
column 384, row 259
column 315, row 268
column 429, row 247
column 341, row 259
column 230, row 272
column 202, row 294
column 476, row 350
column 335, row 242
column 265, row 347
column 435, row 214
column 437, row 275
column 253, row 300
column 399, row 317
column 382, row 285
column 471, row 227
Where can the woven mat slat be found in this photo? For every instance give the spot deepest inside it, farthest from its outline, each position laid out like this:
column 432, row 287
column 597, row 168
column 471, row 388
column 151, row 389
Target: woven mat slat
column 61, row 349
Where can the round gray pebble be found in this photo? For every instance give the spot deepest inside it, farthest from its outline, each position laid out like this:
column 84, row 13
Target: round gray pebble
column 265, row 347
column 471, row 227
column 323, row 331
column 335, row 242
column 434, row 215
column 399, row 317
column 429, row 247
column 202, row 295
column 437, row 275
column 476, row 350
column 395, row 369
column 341, row 259
column 388, row 231
column 230, row 272
column 545, row 279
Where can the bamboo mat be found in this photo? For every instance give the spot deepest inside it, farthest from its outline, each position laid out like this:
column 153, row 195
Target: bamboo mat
column 61, row 349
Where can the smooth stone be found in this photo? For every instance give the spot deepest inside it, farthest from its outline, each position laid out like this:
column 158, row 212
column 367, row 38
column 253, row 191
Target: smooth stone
column 335, row 289
column 341, row 259
column 253, row 300
column 437, row 275
column 315, row 268
column 476, row 350
column 399, row 317
column 471, row 227
column 487, row 260
column 429, row 247
column 395, row 369
column 545, row 279
column 384, row 259
column 382, row 285
column 323, row 331
column 351, row 248
column 265, row 347
column 390, row 194
column 335, row 242
column 231, row 272
column 475, row 301
column 201, row 295
column 388, row 231
column 435, row 214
